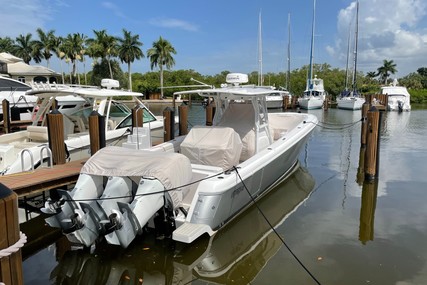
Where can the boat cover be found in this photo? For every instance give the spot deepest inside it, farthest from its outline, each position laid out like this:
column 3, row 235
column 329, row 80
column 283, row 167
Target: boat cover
column 171, row 169
column 216, row 146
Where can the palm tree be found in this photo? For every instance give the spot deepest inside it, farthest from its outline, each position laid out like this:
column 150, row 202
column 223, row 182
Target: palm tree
column 72, row 47
column 23, row 47
column 161, row 55
column 103, row 46
column 6, row 44
column 44, row 47
column 128, row 51
column 384, row 71
column 56, row 48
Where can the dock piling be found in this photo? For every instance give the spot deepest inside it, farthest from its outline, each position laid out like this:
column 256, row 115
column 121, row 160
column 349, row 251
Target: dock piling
column 372, row 144
column 55, row 129
column 11, row 265
column 183, row 119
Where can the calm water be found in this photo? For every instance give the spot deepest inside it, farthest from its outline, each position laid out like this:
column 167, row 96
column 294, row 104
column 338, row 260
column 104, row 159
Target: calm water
column 344, row 231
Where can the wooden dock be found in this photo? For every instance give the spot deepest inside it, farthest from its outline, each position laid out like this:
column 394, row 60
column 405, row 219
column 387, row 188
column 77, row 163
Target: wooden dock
column 43, row 178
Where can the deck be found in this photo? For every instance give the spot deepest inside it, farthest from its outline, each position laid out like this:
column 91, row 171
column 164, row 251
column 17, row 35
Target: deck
column 43, row 179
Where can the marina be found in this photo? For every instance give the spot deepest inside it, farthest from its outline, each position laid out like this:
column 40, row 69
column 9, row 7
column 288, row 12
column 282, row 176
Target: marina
column 346, row 231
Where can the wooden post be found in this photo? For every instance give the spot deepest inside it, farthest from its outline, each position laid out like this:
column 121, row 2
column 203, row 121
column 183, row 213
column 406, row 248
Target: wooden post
column 96, row 132
column 209, row 114
column 294, row 101
column 10, row 266
column 183, row 119
column 55, row 130
column 168, row 124
column 6, row 116
column 363, row 133
column 285, row 102
column 137, row 117
column 372, row 144
column 326, row 103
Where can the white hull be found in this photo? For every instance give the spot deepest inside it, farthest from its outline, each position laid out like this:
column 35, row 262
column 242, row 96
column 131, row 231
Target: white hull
column 309, row 103
column 350, row 103
column 192, row 185
column 398, row 97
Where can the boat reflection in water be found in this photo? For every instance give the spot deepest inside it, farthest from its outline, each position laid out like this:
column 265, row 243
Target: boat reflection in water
column 236, row 253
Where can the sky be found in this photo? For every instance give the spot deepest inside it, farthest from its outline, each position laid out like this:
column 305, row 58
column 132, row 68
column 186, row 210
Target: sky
column 214, row 36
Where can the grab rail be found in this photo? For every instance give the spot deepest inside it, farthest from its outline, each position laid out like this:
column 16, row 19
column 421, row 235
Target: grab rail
column 31, row 157
column 49, row 155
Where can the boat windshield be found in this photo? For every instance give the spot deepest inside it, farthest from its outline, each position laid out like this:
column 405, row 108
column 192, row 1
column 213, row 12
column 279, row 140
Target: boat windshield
column 147, row 118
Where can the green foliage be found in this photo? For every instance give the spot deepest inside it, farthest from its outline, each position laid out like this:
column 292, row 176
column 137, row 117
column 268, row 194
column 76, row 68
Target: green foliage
column 101, row 71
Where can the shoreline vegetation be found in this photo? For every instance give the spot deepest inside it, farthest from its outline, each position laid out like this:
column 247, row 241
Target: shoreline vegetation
column 105, row 54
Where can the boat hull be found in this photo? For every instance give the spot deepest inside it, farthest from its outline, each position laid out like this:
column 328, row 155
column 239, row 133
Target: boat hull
column 310, row 103
column 350, row 103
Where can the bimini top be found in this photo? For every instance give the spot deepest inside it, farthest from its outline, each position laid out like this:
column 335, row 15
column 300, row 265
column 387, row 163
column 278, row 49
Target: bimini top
column 49, row 90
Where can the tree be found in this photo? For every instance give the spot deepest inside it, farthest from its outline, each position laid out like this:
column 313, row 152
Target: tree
column 103, row 46
column 44, row 47
column 72, row 47
column 161, row 55
column 6, row 44
column 23, row 47
column 388, row 68
column 129, row 50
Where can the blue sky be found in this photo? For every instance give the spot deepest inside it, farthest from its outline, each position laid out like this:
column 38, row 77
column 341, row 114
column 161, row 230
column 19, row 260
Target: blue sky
column 213, row 36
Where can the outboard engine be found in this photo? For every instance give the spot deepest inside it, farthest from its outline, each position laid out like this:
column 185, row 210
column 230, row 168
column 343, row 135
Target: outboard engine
column 400, row 106
column 131, row 219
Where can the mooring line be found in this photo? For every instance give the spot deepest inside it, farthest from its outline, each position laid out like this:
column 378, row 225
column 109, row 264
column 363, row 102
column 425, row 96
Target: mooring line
column 274, row 230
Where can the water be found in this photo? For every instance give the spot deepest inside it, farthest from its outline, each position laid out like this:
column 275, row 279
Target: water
column 344, row 231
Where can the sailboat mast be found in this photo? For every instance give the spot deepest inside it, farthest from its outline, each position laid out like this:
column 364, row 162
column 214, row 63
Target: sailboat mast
column 288, row 75
column 355, row 47
column 348, row 55
column 260, row 79
column 310, row 75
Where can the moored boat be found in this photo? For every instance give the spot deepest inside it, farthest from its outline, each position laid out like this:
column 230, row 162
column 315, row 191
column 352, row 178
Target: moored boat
column 314, row 94
column 191, row 185
column 398, row 97
column 24, row 150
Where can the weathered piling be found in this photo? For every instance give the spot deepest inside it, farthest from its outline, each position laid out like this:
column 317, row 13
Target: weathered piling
column 137, row 117
column 367, row 211
column 55, row 130
column 285, row 102
column 372, row 144
column 10, row 265
column 364, row 128
column 96, row 132
column 210, row 113
column 294, row 102
column 6, row 116
column 183, row 119
column 168, row 124
column 326, row 103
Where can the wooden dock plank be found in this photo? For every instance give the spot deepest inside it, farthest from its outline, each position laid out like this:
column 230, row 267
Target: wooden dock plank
column 43, row 179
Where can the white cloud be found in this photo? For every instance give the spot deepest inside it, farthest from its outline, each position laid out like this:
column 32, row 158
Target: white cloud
column 173, row 23
column 388, row 29
column 24, row 16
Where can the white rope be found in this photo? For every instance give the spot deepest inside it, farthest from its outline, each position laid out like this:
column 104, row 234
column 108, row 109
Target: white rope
column 15, row 247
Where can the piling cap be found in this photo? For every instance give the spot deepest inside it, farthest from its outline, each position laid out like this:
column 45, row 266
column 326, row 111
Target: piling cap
column 4, row 191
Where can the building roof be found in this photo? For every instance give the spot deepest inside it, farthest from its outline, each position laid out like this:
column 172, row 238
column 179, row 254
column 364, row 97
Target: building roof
column 16, row 67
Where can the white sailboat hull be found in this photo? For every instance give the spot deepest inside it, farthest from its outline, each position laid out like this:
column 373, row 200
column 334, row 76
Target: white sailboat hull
column 350, row 103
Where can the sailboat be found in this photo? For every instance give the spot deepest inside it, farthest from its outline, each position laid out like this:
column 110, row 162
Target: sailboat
column 351, row 100
column 314, row 94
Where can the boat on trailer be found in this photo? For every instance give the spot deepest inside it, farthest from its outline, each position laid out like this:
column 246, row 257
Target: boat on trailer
column 28, row 149
column 192, row 185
